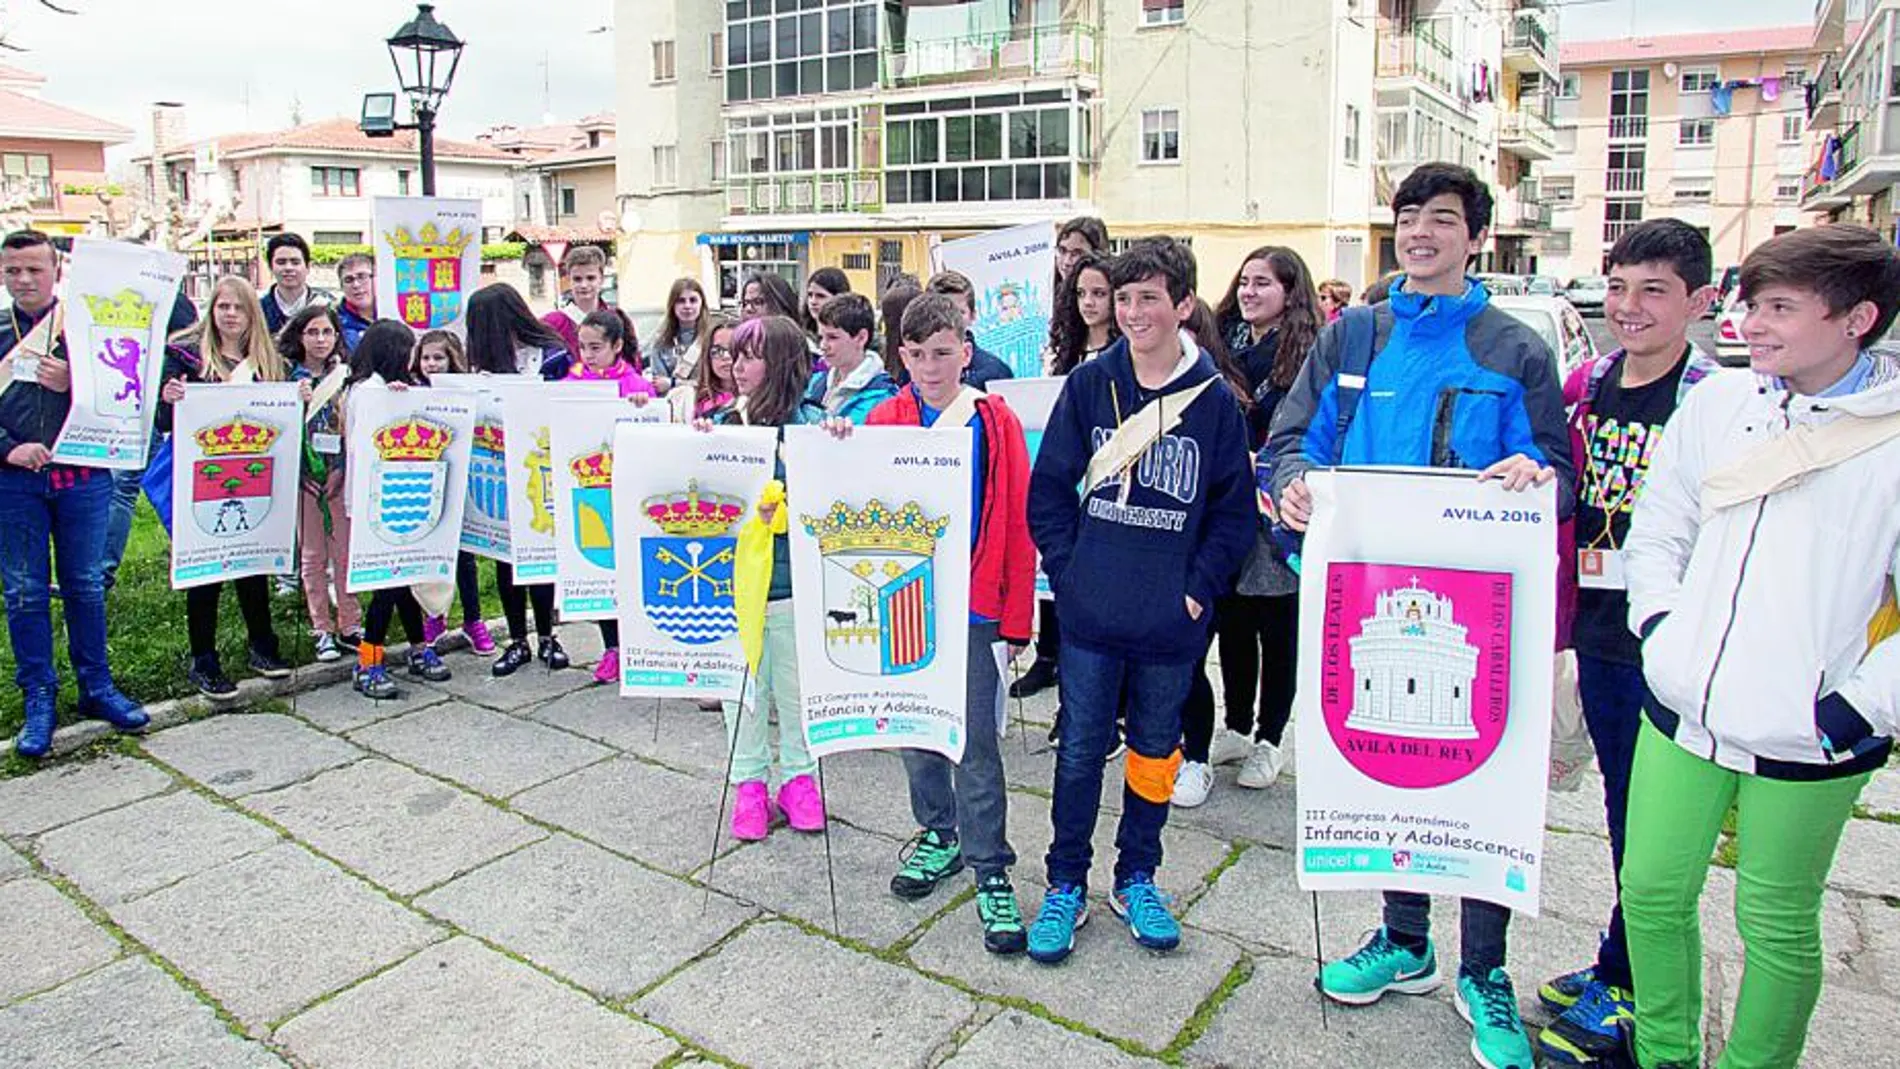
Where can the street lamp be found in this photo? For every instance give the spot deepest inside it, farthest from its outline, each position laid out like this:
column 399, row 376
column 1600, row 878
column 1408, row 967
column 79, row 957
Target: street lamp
column 425, row 54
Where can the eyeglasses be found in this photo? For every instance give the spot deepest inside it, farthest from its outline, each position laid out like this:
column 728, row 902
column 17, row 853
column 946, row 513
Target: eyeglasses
column 720, row 350
column 752, row 303
column 318, row 332
column 351, row 280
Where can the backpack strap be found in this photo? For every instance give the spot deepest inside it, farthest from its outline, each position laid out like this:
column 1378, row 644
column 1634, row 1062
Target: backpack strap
column 1359, row 326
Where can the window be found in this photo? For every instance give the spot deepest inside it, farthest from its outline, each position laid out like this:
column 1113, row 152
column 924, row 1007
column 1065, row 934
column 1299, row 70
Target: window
column 1163, row 12
column 1352, row 135
column 1692, row 190
column 1569, row 85
column 1619, row 216
column 1009, row 146
column 789, row 48
column 1794, row 76
column 1695, row 133
column 663, row 70
column 335, row 182
column 1560, row 191
column 29, row 175
column 1629, row 105
column 716, row 58
column 1160, row 135
column 568, row 208
column 1788, row 188
column 1625, row 170
column 402, row 183
column 1793, row 125
column 666, row 165
column 719, row 160
column 336, row 237
column 1698, row 79
column 855, row 261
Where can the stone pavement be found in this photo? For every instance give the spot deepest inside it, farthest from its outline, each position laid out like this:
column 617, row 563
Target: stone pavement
column 509, row 873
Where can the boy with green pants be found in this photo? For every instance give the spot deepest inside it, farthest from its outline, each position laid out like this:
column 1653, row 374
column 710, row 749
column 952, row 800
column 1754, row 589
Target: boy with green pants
column 1762, row 551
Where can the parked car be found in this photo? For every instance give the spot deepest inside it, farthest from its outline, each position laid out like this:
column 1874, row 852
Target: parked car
column 1543, row 286
column 1586, row 294
column 1557, row 323
column 1500, row 285
column 1730, row 348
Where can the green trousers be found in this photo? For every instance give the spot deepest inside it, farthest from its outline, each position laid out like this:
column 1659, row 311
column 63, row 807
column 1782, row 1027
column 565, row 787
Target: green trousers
column 1786, row 833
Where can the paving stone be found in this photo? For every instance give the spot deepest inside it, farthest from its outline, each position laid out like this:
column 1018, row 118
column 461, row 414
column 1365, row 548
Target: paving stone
column 46, row 939
column 1879, row 925
column 1578, row 881
column 1864, row 862
column 1237, row 814
column 124, row 853
column 489, row 752
column 68, row 792
column 1110, row 984
column 129, row 1015
column 269, row 932
column 1882, row 794
column 462, row 1004
column 868, row 788
column 1580, row 810
column 776, row 996
column 398, row 827
column 475, row 684
column 686, row 738
column 1258, row 902
column 662, row 817
column 1187, row 854
column 599, row 920
column 1274, row 1019
column 1017, row 1040
column 12, row 863
column 339, row 708
column 1846, row 1032
column 786, row 874
column 236, row 754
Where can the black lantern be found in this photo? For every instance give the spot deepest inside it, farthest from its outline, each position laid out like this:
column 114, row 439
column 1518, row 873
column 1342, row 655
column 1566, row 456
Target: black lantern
column 425, row 54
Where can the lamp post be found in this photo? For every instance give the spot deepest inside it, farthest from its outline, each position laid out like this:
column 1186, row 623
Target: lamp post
column 425, row 54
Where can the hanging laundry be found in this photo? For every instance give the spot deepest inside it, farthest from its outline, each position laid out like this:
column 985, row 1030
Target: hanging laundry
column 1831, row 159
column 1771, row 89
column 1722, row 98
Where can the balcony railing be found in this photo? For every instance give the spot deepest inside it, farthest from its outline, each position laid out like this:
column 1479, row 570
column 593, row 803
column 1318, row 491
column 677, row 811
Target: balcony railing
column 1527, row 31
column 1528, row 127
column 1053, row 50
column 1623, row 181
column 1629, row 127
column 1418, row 54
column 806, row 194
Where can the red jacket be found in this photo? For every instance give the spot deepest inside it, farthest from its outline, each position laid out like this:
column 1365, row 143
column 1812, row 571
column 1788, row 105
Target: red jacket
column 1003, row 564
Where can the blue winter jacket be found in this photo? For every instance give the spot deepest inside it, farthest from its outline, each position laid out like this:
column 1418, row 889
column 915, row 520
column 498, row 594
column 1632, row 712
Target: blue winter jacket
column 1455, row 384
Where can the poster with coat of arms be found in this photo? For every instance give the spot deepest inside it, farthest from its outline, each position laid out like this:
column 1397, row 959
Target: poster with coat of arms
column 428, row 259
column 408, row 476
column 117, row 308
column 485, row 520
column 583, row 444
column 680, row 496
column 235, row 454
column 530, row 407
column 880, row 540
column 1427, row 621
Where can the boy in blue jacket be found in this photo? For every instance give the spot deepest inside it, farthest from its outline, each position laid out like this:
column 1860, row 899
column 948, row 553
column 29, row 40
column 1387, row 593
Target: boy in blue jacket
column 1155, row 440
column 1450, row 382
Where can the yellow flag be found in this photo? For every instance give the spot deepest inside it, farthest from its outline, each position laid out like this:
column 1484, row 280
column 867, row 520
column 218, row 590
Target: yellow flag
column 752, row 571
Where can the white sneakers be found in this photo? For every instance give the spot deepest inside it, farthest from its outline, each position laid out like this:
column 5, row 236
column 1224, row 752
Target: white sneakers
column 1262, row 766
column 1192, row 783
column 1229, row 747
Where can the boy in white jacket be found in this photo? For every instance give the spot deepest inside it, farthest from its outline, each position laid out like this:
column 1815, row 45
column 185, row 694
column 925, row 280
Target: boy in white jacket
column 1764, row 544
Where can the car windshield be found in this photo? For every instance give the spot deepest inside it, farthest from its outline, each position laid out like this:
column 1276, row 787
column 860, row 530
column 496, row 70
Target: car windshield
column 1596, row 283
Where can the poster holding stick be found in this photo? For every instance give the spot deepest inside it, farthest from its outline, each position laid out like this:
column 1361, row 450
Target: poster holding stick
column 583, row 444
column 1013, row 271
column 118, row 309
column 235, row 466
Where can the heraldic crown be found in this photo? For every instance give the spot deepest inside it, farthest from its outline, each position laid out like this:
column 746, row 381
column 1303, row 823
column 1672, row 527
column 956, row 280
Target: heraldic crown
column 692, row 514
column 490, row 437
column 593, row 471
column 429, row 243
column 875, row 526
column 126, row 309
column 413, row 439
column 239, row 437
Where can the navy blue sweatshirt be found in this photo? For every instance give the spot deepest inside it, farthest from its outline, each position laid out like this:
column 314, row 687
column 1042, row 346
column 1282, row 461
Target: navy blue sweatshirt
column 1121, row 570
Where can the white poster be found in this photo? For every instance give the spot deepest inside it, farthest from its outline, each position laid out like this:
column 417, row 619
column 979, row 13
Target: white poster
column 680, row 496
column 1032, row 400
column 117, row 308
column 236, row 452
column 485, row 520
column 408, row 478
column 529, row 407
column 1427, row 620
column 1014, row 274
column 583, row 443
column 428, row 259
column 880, row 529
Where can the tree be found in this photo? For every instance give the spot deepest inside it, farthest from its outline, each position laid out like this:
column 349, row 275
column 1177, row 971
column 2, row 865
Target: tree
column 48, row 5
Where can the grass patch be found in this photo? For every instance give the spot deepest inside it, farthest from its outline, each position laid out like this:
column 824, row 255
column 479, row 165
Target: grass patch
column 146, row 642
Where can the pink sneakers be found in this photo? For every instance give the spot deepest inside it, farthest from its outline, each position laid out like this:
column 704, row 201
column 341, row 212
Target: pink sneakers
column 608, row 670
column 751, row 815
column 432, row 628
column 479, row 639
column 799, row 800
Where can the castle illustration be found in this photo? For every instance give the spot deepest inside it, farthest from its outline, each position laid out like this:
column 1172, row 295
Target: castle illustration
column 1412, row 668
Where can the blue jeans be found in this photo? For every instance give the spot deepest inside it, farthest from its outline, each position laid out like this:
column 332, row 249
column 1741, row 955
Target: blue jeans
column 968, row 802
column 1094, row 686
column 70, row 515
column 1612, row 694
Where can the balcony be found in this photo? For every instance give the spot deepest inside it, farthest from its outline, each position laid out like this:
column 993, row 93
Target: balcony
column 1420, row 55
column 1056, row 51
column 1528, row 47
column 1824, row 94
column 1629, row 127
column 1623, row 181
column 1526, row 131
column 805, row 194
column 1522, row 210
column 1830, row 24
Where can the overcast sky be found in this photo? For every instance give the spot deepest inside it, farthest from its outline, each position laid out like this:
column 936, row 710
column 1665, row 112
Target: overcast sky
column 242, row 64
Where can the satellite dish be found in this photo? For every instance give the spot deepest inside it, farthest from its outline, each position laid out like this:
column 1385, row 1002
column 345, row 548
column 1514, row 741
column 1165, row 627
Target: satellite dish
column 1670, row 70
column 605, row 221
column 630, row 221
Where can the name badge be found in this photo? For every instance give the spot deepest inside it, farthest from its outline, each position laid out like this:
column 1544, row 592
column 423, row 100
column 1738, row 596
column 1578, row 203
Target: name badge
column 328, row 445
column 1600, row 569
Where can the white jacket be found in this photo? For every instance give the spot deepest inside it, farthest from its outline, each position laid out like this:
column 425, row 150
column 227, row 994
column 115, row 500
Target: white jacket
column 1758, row 613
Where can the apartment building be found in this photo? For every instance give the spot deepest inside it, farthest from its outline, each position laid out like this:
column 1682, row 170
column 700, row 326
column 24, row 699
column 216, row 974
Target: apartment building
column 1710, row 128
column 1853, row 115
column 790, row 135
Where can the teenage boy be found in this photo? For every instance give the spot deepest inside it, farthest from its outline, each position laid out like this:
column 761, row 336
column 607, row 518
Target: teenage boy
column 1436, row 347
column 49, row 505
column 586, row 269
column 964, row 808
column 1766, row 540
column 853, row 382
column 289, row 258
column 1142, row 505
column 985, row 367
column 1659, row 285
column 357, row 273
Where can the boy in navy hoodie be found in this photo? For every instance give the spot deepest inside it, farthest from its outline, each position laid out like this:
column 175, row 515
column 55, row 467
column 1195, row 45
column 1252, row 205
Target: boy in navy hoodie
column 1155, row 441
